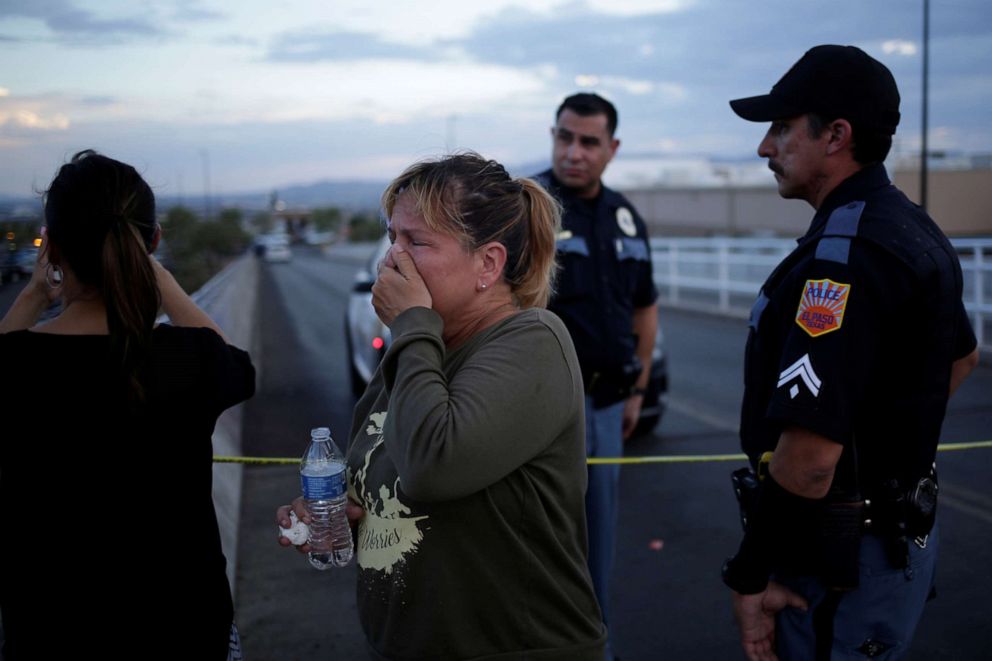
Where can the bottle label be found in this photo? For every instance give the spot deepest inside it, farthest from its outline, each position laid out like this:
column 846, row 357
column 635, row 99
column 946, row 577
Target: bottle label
column 324, row 487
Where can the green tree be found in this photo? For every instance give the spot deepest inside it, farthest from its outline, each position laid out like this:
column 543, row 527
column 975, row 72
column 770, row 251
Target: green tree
column 198, row 250
column 262, row 222
column 178, row 228
column 223, row 237
column 365, row 227
column 326, row 219
column 230, row 215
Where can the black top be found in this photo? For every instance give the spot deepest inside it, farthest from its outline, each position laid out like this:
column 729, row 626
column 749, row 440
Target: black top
column 605, row 275
column 854, row 334
column 110, row 547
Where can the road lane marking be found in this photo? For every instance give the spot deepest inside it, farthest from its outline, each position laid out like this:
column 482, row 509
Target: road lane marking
column 967, row 508
column 710, row 418
column 965, row 494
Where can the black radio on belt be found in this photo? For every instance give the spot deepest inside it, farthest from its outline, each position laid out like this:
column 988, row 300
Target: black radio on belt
column 900, row 515
column 922, row 506
column 614, row 385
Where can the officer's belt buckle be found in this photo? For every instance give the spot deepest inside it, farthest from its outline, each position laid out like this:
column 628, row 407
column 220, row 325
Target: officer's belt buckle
column 921, row 541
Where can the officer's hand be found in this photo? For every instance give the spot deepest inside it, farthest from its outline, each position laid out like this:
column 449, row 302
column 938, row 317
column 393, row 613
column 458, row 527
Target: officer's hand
column 755, row 615
column 631, row 414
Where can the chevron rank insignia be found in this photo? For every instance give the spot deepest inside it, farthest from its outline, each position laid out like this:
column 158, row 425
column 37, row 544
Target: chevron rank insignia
column 821, row 308
column 800, row 371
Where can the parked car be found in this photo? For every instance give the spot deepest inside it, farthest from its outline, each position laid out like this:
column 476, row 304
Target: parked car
column 17, row 264
column 367, row 339
column 8, row 266
column 653, row 405
column 26, row 259
column 273, row 247
column 365, row 336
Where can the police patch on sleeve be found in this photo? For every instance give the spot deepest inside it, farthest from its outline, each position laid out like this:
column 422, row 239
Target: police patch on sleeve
column 821, row 308
column 625, row 221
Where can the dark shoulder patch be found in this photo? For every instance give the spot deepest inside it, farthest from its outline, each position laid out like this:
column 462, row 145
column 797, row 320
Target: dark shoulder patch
column 841, row 227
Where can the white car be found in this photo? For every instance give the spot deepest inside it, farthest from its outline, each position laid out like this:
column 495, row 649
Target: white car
column 367, row 338
column 274, row 247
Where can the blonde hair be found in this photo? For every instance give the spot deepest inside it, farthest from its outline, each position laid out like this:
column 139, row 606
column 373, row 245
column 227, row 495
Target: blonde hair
column 477, row 201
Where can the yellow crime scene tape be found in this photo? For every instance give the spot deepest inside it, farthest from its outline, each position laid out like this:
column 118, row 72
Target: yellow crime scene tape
column 596, row 461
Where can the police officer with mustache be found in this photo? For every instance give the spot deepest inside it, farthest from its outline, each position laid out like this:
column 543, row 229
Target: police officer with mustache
column 856, row 341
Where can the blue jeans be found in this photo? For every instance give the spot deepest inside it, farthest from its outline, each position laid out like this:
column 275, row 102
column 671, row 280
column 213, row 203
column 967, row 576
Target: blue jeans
column 604, row 438
column 882, row 613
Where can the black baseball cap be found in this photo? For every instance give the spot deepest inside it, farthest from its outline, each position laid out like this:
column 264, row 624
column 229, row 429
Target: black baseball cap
column 837, row 81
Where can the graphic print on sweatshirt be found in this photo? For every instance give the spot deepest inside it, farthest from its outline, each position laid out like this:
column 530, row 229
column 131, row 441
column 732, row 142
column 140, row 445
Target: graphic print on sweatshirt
column 387, row 534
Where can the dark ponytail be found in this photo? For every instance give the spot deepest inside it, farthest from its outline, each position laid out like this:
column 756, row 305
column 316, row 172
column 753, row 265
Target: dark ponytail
column 101, row 217
column 131, row 296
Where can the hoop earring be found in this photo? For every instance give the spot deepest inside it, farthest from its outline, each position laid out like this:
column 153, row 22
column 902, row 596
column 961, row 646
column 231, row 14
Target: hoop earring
column 53, row 275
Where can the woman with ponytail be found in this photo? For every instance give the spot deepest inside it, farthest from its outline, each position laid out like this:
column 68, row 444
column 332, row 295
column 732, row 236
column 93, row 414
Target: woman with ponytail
column 110, row 546
column 467, row 454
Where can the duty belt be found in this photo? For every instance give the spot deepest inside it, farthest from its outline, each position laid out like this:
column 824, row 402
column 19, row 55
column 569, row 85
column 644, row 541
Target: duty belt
column 607, row 387
column 904, row 513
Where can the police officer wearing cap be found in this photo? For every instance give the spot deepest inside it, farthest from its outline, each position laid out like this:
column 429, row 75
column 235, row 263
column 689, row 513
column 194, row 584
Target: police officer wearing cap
column 606, row 296
column 857, row 340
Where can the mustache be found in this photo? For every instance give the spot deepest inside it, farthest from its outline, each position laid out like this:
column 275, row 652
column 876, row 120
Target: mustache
column 776, row 168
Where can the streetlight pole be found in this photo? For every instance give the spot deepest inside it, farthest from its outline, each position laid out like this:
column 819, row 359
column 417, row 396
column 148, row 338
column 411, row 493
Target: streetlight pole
column 205, row 155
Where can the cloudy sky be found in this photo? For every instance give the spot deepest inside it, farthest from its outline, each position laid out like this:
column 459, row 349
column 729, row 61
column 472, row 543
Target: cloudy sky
column 272, row 92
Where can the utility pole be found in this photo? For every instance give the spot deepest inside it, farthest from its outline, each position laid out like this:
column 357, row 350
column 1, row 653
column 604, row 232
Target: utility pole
column 205, row 156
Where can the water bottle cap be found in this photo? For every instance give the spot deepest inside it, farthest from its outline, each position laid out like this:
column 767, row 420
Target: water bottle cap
column 320, row 433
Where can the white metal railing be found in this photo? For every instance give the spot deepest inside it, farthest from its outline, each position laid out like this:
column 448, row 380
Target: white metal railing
column 724, row 274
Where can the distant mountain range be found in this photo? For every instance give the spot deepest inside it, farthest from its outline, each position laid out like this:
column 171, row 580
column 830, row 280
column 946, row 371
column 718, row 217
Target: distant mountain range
column 349, row 195
column 628, row 170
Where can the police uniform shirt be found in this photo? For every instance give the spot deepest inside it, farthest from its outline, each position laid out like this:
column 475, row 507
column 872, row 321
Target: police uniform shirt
column 853, row 335
column 605, row 275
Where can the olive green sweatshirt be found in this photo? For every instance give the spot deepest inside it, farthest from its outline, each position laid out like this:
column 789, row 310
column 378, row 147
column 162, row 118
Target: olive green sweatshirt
column 470, row 465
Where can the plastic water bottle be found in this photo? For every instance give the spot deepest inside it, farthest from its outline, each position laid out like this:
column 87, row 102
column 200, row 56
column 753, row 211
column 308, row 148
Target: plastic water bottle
column 325, row 491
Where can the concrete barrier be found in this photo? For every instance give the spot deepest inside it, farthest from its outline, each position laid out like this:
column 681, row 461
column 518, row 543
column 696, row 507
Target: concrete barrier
column 230, row 298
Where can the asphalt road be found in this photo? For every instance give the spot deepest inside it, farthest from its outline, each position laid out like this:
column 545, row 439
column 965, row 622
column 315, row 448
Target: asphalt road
column 8, row 292
column 285, row 608
column 668, row 600
column 677, row 521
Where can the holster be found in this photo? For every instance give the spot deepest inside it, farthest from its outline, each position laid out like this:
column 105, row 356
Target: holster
column 827, row 548
column 746, row 485
column 608, row 387
column 901, row 515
